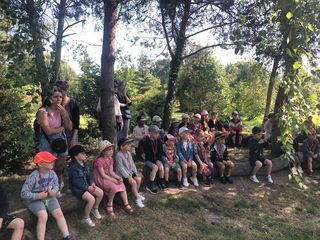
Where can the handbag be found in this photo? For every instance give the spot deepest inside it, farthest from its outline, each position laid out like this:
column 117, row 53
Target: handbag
column 59, row 145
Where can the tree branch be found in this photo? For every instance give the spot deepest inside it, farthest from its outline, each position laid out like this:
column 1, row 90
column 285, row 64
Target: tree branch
column 75, row 23
column 209, row 28
column 166, row 33
column 68, row 35
column 206, row 47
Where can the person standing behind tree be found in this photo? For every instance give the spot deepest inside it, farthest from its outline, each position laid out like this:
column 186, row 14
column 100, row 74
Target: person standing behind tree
column 125, row 103
column 72, row 108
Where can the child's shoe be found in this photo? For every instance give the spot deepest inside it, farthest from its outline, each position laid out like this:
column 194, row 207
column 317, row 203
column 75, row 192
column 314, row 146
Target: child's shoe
column 95, row 212
column 223, row 180
column 69, row 237
column 185, row 182
column 300, row 169
column 88, row 221
column 139, row 203
column 142, row 197
column 270, row 179
column 254, row 179
column 179, row 184
column 229, row 180
column 195, row 182
column 166, row 184
column 152, row 188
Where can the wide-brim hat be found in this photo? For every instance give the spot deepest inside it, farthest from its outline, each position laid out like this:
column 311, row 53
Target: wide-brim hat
column 75, row 150
column 44, row 157
column 169, row 137
column 219, row 135
column 105, row 144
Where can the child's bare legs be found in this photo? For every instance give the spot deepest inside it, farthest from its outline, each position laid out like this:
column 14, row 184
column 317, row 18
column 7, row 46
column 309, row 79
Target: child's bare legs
column 135, row 185
column 221, row 168
column 310, row 165
column 153, row 172
column 17, row 225
column 230, row 166
column 166, row 174
column 89, row 204
column 256, row 168
column 160, row 169
column 194, row 169
column 184, row 169
column 41, row 224
column 138, row 179
column 61, row 221
column 268, row 163
column 124, row 197
column 179, row 174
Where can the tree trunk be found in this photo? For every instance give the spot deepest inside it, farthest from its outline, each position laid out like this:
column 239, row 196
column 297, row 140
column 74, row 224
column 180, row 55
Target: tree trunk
column 175, row 64
column 34, row 27
column 271, row 84
column 108, row 121
column 58, row 45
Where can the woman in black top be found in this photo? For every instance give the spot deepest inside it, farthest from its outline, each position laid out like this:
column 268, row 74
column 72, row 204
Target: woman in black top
column 125, row 103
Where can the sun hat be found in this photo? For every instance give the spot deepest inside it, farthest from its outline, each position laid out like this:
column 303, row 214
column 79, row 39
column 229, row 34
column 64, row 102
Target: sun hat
column 219, row 135
column 44, row 157
column 75, row 150
column 197, row 115
column 204, row 113
column 141, row 118
column 105, row 144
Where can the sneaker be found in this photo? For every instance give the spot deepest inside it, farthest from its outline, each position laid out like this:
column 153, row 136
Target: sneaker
column 185, row 182
column 152, row 189
column 142, row 197
column 270, row 179
column 88, row 221
column 229, row 180
column 95, row 213
column 254, row 179
column 195, row 182
column 69, row 237
column 300, row 169
column 139, row 203
column 223, row 180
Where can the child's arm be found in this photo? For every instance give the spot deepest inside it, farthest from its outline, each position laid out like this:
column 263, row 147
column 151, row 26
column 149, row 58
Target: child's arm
column 26, row 191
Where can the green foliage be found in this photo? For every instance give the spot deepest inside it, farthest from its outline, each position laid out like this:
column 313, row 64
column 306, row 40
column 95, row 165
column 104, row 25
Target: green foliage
column 16, row 134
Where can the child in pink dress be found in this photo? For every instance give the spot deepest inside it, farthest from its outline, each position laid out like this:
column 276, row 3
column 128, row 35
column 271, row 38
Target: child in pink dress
column 107, row 179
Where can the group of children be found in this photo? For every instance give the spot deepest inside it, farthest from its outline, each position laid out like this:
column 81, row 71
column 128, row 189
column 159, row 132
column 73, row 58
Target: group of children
column 184, row 151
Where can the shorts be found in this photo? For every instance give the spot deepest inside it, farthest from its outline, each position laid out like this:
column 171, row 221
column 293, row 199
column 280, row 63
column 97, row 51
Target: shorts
column 7, row 220
column 216, row 165
column 149, row 164
column 253, row 161
column 39, row 205
column 44, row 145
column 125, row 180
column 175, row 168
column 78, row 194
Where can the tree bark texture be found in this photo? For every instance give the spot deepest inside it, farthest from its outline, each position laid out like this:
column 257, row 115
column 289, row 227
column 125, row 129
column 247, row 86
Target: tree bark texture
column 108, row 121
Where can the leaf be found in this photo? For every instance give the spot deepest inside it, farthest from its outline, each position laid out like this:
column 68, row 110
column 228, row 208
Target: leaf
column 289, row 15
column 310, row 27
column 296, row 65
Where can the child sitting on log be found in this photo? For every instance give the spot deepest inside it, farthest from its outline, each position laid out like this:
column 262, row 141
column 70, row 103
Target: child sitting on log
column 39, row 191
column 82, row 185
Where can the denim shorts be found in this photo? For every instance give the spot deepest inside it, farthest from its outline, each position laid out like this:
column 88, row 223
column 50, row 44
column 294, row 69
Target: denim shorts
column 175, row 168
column 150, row 164
column 44, row 145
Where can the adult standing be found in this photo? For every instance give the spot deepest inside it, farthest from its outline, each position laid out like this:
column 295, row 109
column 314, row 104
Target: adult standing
column 72, row 108
column 125, row 103
column 54, row 120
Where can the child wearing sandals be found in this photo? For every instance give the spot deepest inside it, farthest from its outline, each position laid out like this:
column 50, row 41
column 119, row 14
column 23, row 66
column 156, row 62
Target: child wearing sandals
column 105, row 178
column 82, row 185
column 9, row 221
column 185, row 149
column 127, row 169
column 220, row 158
column 39, row 191
column 170, row 159
column 256, row 158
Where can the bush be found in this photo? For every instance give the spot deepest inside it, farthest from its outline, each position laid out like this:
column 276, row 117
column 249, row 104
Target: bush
column 16, row 133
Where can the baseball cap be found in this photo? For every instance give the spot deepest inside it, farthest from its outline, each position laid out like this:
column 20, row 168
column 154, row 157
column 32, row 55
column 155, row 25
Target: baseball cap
column 197, row 115
column 123, row 141
column 183, row 129
column 154, row 128
column 156, row 118
column 44, row 157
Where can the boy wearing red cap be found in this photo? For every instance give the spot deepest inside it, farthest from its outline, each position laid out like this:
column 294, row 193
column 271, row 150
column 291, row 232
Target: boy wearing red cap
column 39, row 192
column 170, row 159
